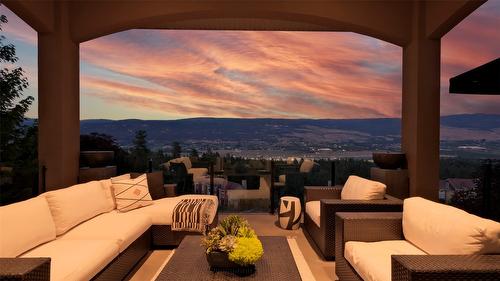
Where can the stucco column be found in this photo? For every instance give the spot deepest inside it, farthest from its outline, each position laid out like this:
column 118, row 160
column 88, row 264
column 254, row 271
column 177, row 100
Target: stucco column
column 58, row 105
column 421, row 104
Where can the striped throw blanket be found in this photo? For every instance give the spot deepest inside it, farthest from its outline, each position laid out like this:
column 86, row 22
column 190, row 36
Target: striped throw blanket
column 192, row 215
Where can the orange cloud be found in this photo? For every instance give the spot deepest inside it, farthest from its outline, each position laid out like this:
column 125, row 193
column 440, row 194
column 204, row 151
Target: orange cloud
column 256, row 74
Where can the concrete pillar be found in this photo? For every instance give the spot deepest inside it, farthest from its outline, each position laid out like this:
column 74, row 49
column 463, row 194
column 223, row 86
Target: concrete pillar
column 58, row 105
column 420, row 109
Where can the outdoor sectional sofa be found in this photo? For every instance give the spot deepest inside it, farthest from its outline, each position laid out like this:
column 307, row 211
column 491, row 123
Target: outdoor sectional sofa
column 79, row 229
column 323, row 202
column 427, row 241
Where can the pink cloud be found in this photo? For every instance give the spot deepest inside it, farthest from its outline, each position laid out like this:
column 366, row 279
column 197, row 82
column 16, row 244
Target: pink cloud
column 260, row 74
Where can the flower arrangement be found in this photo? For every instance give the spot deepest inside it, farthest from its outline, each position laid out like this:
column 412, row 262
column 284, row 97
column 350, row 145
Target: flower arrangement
column 235, row 238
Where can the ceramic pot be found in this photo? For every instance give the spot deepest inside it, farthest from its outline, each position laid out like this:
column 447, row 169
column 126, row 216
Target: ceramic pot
column 389, row 160
column 94, row 159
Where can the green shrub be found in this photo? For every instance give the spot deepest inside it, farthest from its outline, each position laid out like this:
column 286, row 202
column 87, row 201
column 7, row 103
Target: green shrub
column 247, row 251
column 235, row 237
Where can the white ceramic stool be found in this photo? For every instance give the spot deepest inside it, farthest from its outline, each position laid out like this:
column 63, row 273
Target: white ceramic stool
column 290, row 212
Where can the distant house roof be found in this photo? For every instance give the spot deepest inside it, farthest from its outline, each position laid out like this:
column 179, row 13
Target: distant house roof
column 457, row 184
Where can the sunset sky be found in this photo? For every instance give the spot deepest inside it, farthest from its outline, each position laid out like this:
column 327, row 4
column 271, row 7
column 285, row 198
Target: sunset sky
column 169, row 74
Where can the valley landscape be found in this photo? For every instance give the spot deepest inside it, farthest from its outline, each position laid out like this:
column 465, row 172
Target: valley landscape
column 467, row 135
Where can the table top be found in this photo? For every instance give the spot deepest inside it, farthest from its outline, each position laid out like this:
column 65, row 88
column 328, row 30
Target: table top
column 189, row 263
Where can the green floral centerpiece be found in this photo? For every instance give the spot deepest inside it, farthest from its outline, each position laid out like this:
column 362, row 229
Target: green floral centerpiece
column 233, row 245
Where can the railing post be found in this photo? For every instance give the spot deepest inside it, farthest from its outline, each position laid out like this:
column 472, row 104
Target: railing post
column 487, row 189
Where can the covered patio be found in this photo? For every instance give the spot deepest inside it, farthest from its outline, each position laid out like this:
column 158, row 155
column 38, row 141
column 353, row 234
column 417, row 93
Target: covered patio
column 92, row 231
column 416, row 26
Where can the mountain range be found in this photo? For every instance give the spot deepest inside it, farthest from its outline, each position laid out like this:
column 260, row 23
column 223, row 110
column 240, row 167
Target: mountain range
column 284, row 132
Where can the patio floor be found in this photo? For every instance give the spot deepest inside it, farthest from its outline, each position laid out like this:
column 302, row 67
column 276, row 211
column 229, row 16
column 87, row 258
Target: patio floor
column 264, row 224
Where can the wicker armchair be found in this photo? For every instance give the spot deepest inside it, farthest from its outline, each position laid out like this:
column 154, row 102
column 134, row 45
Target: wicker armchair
column 329, row 197
column 373, row 227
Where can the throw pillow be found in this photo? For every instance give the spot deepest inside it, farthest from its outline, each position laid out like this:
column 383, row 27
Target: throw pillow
column 131, row 193
column 358, row 188
column 155, row 184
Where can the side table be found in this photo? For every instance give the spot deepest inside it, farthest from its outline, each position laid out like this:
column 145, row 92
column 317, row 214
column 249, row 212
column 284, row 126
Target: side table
column 290, row 212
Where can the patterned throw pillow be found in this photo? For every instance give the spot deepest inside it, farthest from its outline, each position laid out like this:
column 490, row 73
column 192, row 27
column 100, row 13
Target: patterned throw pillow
column 131, row 193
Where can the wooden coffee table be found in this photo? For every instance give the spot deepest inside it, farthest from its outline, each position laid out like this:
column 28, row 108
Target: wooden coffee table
column 189, row 263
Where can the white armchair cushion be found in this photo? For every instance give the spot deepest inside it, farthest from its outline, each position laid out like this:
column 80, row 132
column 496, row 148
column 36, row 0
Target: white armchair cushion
column 76, row 260
column 313, row 210
column 185, row 160
column 78, row 203
column 358, row 188
column 198, row 172
column 444, row 230
column 25, row 225
column 372, row 260
column 307, row 166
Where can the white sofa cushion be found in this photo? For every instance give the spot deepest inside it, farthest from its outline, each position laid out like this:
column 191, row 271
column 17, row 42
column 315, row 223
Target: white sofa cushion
column 372, row 260
column 162, row 209
column 313, row 210
column 25, row 225
column 123, row 228
column 131, row 193
column 76, row 259
column 75, row 204
column 358, row 188
column 444, row 230
column 108, row 190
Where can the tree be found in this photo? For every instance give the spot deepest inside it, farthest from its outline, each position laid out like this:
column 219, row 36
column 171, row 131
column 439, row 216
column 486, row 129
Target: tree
column 13, row 106
column 194, row 153
column 140, row 152
column 176, row 149
column 18, row 142
column 140, row 143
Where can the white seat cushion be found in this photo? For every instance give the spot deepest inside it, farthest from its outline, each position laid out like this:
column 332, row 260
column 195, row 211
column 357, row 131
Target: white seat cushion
column 124, row 228
column 76, row 259
column 444, row 230
column 78, row 203
column 162, row 209
column 198, row 171
column 313, row 209
column 25, row 225
column 372, row 261
column 358, row 188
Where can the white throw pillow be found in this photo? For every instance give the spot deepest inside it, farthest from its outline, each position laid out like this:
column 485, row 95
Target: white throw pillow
column 25, row 225
column 439, row 229
column 131, row 193
column 75, row 204
column 358, row 188
column 108, row 190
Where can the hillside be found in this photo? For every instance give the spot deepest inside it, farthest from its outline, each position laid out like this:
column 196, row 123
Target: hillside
column 287, row 132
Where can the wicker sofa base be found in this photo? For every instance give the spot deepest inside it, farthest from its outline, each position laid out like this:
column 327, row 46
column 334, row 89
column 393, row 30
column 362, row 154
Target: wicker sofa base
column 125, row 262
column 325, row 244
column 157, row 236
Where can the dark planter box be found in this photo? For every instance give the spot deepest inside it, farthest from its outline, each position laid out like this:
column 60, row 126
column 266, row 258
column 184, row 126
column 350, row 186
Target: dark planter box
column 219, row 261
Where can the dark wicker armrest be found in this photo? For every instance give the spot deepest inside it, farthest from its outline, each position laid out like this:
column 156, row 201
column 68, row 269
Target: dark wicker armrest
column 315, row 193
column 36, row 269
column 438, row 267
column 368, row 227
column 200, row 164
column 329, row 207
